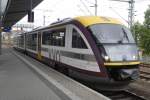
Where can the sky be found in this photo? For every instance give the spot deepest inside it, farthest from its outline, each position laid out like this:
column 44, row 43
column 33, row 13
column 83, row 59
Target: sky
column 52, row 10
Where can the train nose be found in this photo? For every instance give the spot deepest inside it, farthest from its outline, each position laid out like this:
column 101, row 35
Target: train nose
column 125, row 74
column 132, row 74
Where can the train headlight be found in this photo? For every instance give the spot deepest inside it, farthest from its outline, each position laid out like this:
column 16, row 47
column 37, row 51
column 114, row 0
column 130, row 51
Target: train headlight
column 135, row 57
column 106, row 58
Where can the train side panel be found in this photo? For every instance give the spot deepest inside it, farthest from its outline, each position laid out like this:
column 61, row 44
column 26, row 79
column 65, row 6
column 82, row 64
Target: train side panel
column 80, row 56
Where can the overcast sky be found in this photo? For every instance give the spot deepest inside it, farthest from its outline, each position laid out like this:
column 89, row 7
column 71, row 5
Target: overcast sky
column 54, row 9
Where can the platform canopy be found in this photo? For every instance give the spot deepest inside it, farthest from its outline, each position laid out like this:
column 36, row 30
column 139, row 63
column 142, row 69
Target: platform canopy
column 14, row 10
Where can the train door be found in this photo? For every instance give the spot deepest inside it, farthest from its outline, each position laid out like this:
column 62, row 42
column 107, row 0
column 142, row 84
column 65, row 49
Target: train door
column 39, row 45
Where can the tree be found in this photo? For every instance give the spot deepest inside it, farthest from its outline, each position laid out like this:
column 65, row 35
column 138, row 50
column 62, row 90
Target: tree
column 142, row 33
column 145, row 40
column 136, row 30
column 147, row 18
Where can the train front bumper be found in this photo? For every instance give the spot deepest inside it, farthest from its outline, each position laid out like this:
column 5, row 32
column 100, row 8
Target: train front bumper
column 120, row 71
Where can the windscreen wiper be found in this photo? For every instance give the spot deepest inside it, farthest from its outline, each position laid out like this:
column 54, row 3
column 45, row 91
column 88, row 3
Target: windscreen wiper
column 125, row 34
column 124, row 37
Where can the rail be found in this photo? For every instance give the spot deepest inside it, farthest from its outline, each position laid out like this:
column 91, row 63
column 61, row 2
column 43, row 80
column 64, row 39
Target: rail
column 145, row 71
column 122, row 95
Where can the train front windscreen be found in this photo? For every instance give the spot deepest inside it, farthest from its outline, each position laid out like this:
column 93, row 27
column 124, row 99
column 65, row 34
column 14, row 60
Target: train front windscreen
column 117, row 40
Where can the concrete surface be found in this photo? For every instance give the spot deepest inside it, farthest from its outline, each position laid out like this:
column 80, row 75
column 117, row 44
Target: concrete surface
column 18, row 82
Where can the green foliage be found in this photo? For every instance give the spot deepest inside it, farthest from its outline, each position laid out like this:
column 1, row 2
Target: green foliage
column 136, row 30
column 147, row 18
column 145, row 40
column 142, row 33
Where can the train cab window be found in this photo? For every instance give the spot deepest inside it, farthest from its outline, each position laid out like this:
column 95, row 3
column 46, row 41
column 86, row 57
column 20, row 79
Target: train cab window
column 77, row 41
column 58, row 38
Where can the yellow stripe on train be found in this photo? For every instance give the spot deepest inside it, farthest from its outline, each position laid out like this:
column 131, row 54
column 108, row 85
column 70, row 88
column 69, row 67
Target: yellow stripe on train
column 121, row 63
column 39, row 56
column 90, row 20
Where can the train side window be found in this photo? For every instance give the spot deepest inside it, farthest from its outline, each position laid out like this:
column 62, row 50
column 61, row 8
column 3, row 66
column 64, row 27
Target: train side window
column 77, row 41
column 21, row 41
column 32, row 41
column 46, row 38
column 34, row 38
column 55, row 38
column 58, row 38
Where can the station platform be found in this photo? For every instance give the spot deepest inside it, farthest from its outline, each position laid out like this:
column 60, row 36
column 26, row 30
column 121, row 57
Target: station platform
column 18, row 82
column 23, row 78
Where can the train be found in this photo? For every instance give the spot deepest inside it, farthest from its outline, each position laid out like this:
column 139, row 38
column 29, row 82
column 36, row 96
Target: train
column 98, row 50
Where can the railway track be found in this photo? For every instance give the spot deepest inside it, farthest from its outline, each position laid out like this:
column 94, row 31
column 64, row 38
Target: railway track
column 145, row 71
column 145, row 75
column 145, row 65
column 122, row 95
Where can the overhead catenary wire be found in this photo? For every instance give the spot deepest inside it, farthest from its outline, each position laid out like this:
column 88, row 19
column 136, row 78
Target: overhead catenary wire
column 95, row 5
column 49, row 10
column 139, row 1
column 58, row 2
column 131, row 11
column 80, row 9
column 44, row 10
column 86, row 7
column 89, row 2
column 119, row 15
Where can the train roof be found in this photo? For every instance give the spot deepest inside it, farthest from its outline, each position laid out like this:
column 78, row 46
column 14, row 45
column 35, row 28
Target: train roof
column 84, row 20
column 90, row 20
